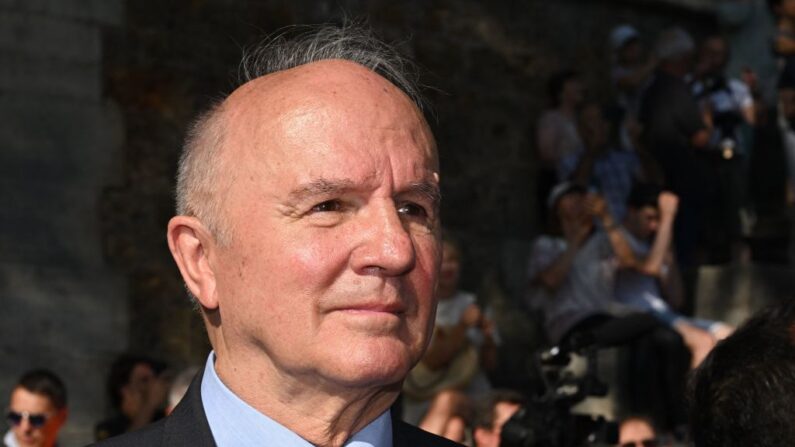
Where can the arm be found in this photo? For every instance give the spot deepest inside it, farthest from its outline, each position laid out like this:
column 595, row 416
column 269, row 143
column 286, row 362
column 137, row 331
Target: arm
column 447, row 343
column 673, row 290
column 667, row 204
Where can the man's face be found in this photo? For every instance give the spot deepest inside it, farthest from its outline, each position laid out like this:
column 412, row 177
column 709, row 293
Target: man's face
column 135, row 391
column 33, row 404
column 643, row 222
column 330, row 270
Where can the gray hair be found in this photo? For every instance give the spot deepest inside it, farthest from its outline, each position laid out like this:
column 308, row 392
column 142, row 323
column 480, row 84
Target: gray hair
column 674, row 42
column 200, row 175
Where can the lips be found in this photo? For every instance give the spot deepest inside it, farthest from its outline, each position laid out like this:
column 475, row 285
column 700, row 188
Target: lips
column 395, row 308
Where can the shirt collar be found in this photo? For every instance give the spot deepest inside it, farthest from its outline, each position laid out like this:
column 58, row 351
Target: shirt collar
column 233, row 422
column 10, row 440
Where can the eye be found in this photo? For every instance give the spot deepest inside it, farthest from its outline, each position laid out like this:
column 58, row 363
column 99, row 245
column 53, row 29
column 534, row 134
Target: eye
column 329, row 206
column 412, row 209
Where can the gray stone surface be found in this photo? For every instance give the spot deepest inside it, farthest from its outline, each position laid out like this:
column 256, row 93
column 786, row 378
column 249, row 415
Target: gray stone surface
column 109, row 12
column 64, row 308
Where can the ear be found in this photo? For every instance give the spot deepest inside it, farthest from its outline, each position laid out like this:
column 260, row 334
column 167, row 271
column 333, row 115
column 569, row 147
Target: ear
column 191, row 245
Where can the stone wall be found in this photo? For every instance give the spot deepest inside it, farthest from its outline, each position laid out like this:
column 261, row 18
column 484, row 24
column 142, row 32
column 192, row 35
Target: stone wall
column 60, row 141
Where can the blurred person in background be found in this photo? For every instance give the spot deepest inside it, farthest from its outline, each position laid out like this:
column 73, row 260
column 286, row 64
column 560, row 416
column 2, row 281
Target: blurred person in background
column 631, row 68
column 729, row 111
column 654, row 281
column 603, row 164
column 556, row 132
column 137, row 392
column 572, row 272
column 674, row 132
column 463, row 348
column 36, row 410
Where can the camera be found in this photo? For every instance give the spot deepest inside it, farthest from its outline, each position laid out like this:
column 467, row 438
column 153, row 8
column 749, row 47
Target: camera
column 547, row 420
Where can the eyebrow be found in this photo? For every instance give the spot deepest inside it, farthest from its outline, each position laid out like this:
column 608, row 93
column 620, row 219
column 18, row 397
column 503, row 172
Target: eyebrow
column 427, row 189
column 321, row 187
column 324, row 187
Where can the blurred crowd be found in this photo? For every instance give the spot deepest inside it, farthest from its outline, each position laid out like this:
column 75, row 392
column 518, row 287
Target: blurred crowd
column 636, row 193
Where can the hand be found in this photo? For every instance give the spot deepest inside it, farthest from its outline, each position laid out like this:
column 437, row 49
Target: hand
column 472, row 316
column 668, row 203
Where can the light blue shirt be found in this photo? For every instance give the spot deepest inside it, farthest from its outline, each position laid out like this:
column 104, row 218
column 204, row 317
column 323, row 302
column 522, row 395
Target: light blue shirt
column 235, row 423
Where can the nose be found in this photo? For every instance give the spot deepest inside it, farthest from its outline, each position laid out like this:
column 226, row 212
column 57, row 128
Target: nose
column 24, row 425
column 386, row 246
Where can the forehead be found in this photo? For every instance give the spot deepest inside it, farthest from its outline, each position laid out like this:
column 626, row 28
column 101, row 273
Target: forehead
column 25, row 400
column 298, row 113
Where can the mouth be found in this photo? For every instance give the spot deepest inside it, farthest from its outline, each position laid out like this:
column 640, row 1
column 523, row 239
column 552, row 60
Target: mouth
column 374, row 308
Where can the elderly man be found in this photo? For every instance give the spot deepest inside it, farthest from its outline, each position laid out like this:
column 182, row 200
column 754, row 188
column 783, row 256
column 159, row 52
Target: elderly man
column 308, row 232
column 36, row 410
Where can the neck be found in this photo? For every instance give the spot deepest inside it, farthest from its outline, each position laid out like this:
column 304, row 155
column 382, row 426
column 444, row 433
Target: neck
column 323, row 413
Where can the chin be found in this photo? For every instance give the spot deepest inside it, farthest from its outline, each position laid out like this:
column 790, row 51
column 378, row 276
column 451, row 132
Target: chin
column 378, row 364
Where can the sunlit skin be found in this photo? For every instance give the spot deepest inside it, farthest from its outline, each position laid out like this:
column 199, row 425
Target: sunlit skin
column 323, row 296
column 26, row 435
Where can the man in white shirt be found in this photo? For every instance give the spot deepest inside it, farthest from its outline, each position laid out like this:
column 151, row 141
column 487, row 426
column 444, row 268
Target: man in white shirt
column 36, row 410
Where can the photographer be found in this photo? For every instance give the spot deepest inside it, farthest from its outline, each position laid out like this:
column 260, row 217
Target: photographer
column 572, row 281
column 728, row 110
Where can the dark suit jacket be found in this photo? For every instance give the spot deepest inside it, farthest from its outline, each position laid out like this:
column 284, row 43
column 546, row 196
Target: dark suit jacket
column 187, row 427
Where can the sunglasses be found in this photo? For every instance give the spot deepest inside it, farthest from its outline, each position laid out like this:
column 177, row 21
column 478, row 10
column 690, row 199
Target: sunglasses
column 641, row 443
column 35, row 420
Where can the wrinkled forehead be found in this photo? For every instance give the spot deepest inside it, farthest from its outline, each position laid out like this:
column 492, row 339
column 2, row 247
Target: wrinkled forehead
column 329, row 90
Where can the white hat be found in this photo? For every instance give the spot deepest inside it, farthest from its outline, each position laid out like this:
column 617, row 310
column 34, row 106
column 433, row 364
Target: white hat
column 622, row 35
